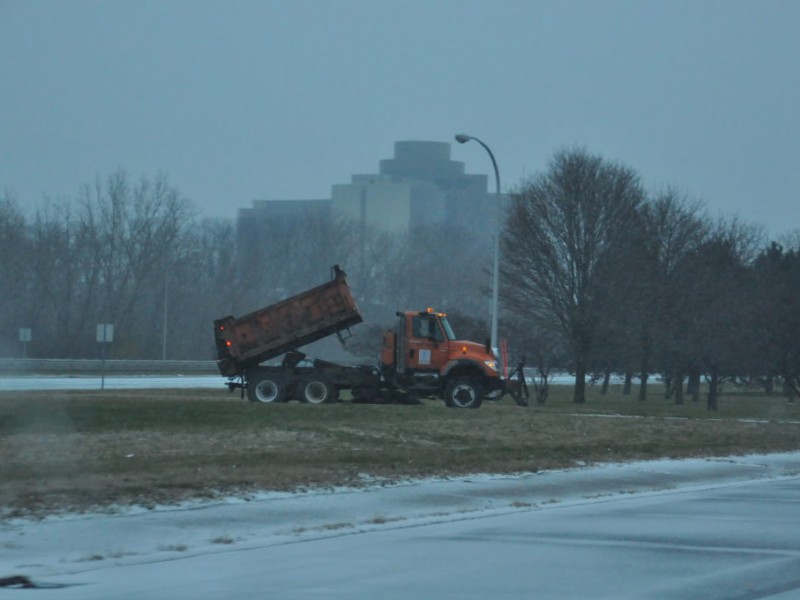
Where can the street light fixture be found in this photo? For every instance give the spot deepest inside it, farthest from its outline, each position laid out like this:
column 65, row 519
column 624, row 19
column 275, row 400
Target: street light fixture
column 463, row 138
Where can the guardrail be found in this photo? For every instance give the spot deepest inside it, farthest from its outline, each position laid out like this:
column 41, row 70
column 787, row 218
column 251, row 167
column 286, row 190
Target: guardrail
column 32, row 366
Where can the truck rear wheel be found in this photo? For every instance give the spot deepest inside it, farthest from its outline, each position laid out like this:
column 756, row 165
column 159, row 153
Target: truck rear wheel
column 463, row 392
column 267, row 389
column 316, row 390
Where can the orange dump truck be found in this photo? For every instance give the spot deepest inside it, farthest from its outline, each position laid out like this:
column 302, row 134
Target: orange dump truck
column 421, row 357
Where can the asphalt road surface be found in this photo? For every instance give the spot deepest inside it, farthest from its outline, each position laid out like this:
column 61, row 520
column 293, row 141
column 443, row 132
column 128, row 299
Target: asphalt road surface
column 721, row 529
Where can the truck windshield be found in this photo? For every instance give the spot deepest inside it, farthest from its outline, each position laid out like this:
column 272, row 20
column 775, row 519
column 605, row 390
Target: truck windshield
column 448, row 331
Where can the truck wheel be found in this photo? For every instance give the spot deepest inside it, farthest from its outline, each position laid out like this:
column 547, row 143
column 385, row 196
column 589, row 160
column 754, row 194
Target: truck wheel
column 267, row 389
column 316, row 390
column 463, row 393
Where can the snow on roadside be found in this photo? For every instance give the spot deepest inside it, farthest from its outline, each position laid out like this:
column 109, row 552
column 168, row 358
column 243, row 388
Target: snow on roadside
column 127, row 382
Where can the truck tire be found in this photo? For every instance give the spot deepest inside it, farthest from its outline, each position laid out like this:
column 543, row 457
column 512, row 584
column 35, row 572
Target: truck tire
column 267, row 389
column 463, row 392
column 316, row 390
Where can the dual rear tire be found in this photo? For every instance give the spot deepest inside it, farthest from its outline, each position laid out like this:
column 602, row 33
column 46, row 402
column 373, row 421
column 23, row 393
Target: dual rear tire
column 316, row 390
column 267, row 388
column 311, row 389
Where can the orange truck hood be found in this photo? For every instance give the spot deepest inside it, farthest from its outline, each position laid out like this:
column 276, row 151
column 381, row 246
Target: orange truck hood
column 461, row 349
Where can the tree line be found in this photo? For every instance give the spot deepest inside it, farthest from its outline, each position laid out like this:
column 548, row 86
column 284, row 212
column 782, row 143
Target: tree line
column 598, row 276
column 610, row 279
column 130, row 254
column 135, row 254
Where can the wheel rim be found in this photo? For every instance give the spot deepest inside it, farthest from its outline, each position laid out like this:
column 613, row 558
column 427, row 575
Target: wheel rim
column 316, row 392
column 464, row 395
column 267, row 391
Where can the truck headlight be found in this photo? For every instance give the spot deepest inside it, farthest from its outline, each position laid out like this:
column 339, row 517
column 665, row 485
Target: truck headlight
column 491, row 364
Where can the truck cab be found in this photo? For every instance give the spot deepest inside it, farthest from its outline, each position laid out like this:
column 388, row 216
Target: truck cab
column 424, row 357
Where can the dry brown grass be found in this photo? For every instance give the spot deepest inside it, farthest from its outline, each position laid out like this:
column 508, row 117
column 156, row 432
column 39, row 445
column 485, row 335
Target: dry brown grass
column 81, row 450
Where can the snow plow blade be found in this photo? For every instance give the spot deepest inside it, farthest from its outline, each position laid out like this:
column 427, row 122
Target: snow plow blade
column 516, row 385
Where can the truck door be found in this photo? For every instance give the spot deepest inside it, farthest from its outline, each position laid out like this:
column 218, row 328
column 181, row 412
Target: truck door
column 427, row 345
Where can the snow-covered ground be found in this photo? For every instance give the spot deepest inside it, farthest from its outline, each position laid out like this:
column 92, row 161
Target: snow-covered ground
column 85, row 382
column 561, row 534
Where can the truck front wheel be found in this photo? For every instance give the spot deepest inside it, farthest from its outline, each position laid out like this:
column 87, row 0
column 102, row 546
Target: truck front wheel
column 267, row 389
column 316, row 390
column 463, row 392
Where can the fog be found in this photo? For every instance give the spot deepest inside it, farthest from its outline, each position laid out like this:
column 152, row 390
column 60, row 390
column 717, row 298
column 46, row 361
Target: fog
column 283, row 100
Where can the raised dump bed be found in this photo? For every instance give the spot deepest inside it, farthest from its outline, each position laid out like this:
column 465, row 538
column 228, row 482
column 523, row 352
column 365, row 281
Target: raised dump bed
column 287, row 325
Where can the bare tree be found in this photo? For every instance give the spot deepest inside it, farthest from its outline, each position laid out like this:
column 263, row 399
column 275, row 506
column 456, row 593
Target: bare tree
column 777, row 329
column 58, row 295
column 721, row 307
column 564, row 228
column 543, row 351
column 99, row 260
column 446, row 270
column 285, row 254
column 201, row 287
column 131, row 233
column 14, row 266
column 672, row 229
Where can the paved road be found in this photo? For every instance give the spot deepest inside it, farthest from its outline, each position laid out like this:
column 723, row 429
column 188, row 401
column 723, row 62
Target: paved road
column 734, row 543
column 727, row 530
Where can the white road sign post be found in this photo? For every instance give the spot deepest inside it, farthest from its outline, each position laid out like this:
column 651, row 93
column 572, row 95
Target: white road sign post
column 25, row 336
column 105, row 335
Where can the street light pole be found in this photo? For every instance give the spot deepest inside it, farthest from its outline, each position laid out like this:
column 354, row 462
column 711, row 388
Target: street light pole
column 463, row 138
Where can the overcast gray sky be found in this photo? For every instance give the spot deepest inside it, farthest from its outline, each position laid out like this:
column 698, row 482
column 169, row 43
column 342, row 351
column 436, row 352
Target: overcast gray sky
column 249, row 99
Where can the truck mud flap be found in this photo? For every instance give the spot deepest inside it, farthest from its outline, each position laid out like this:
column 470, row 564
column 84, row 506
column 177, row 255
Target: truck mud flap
column 233, row 384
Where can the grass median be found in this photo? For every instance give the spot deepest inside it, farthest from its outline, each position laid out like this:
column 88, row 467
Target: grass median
column 80, row 450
